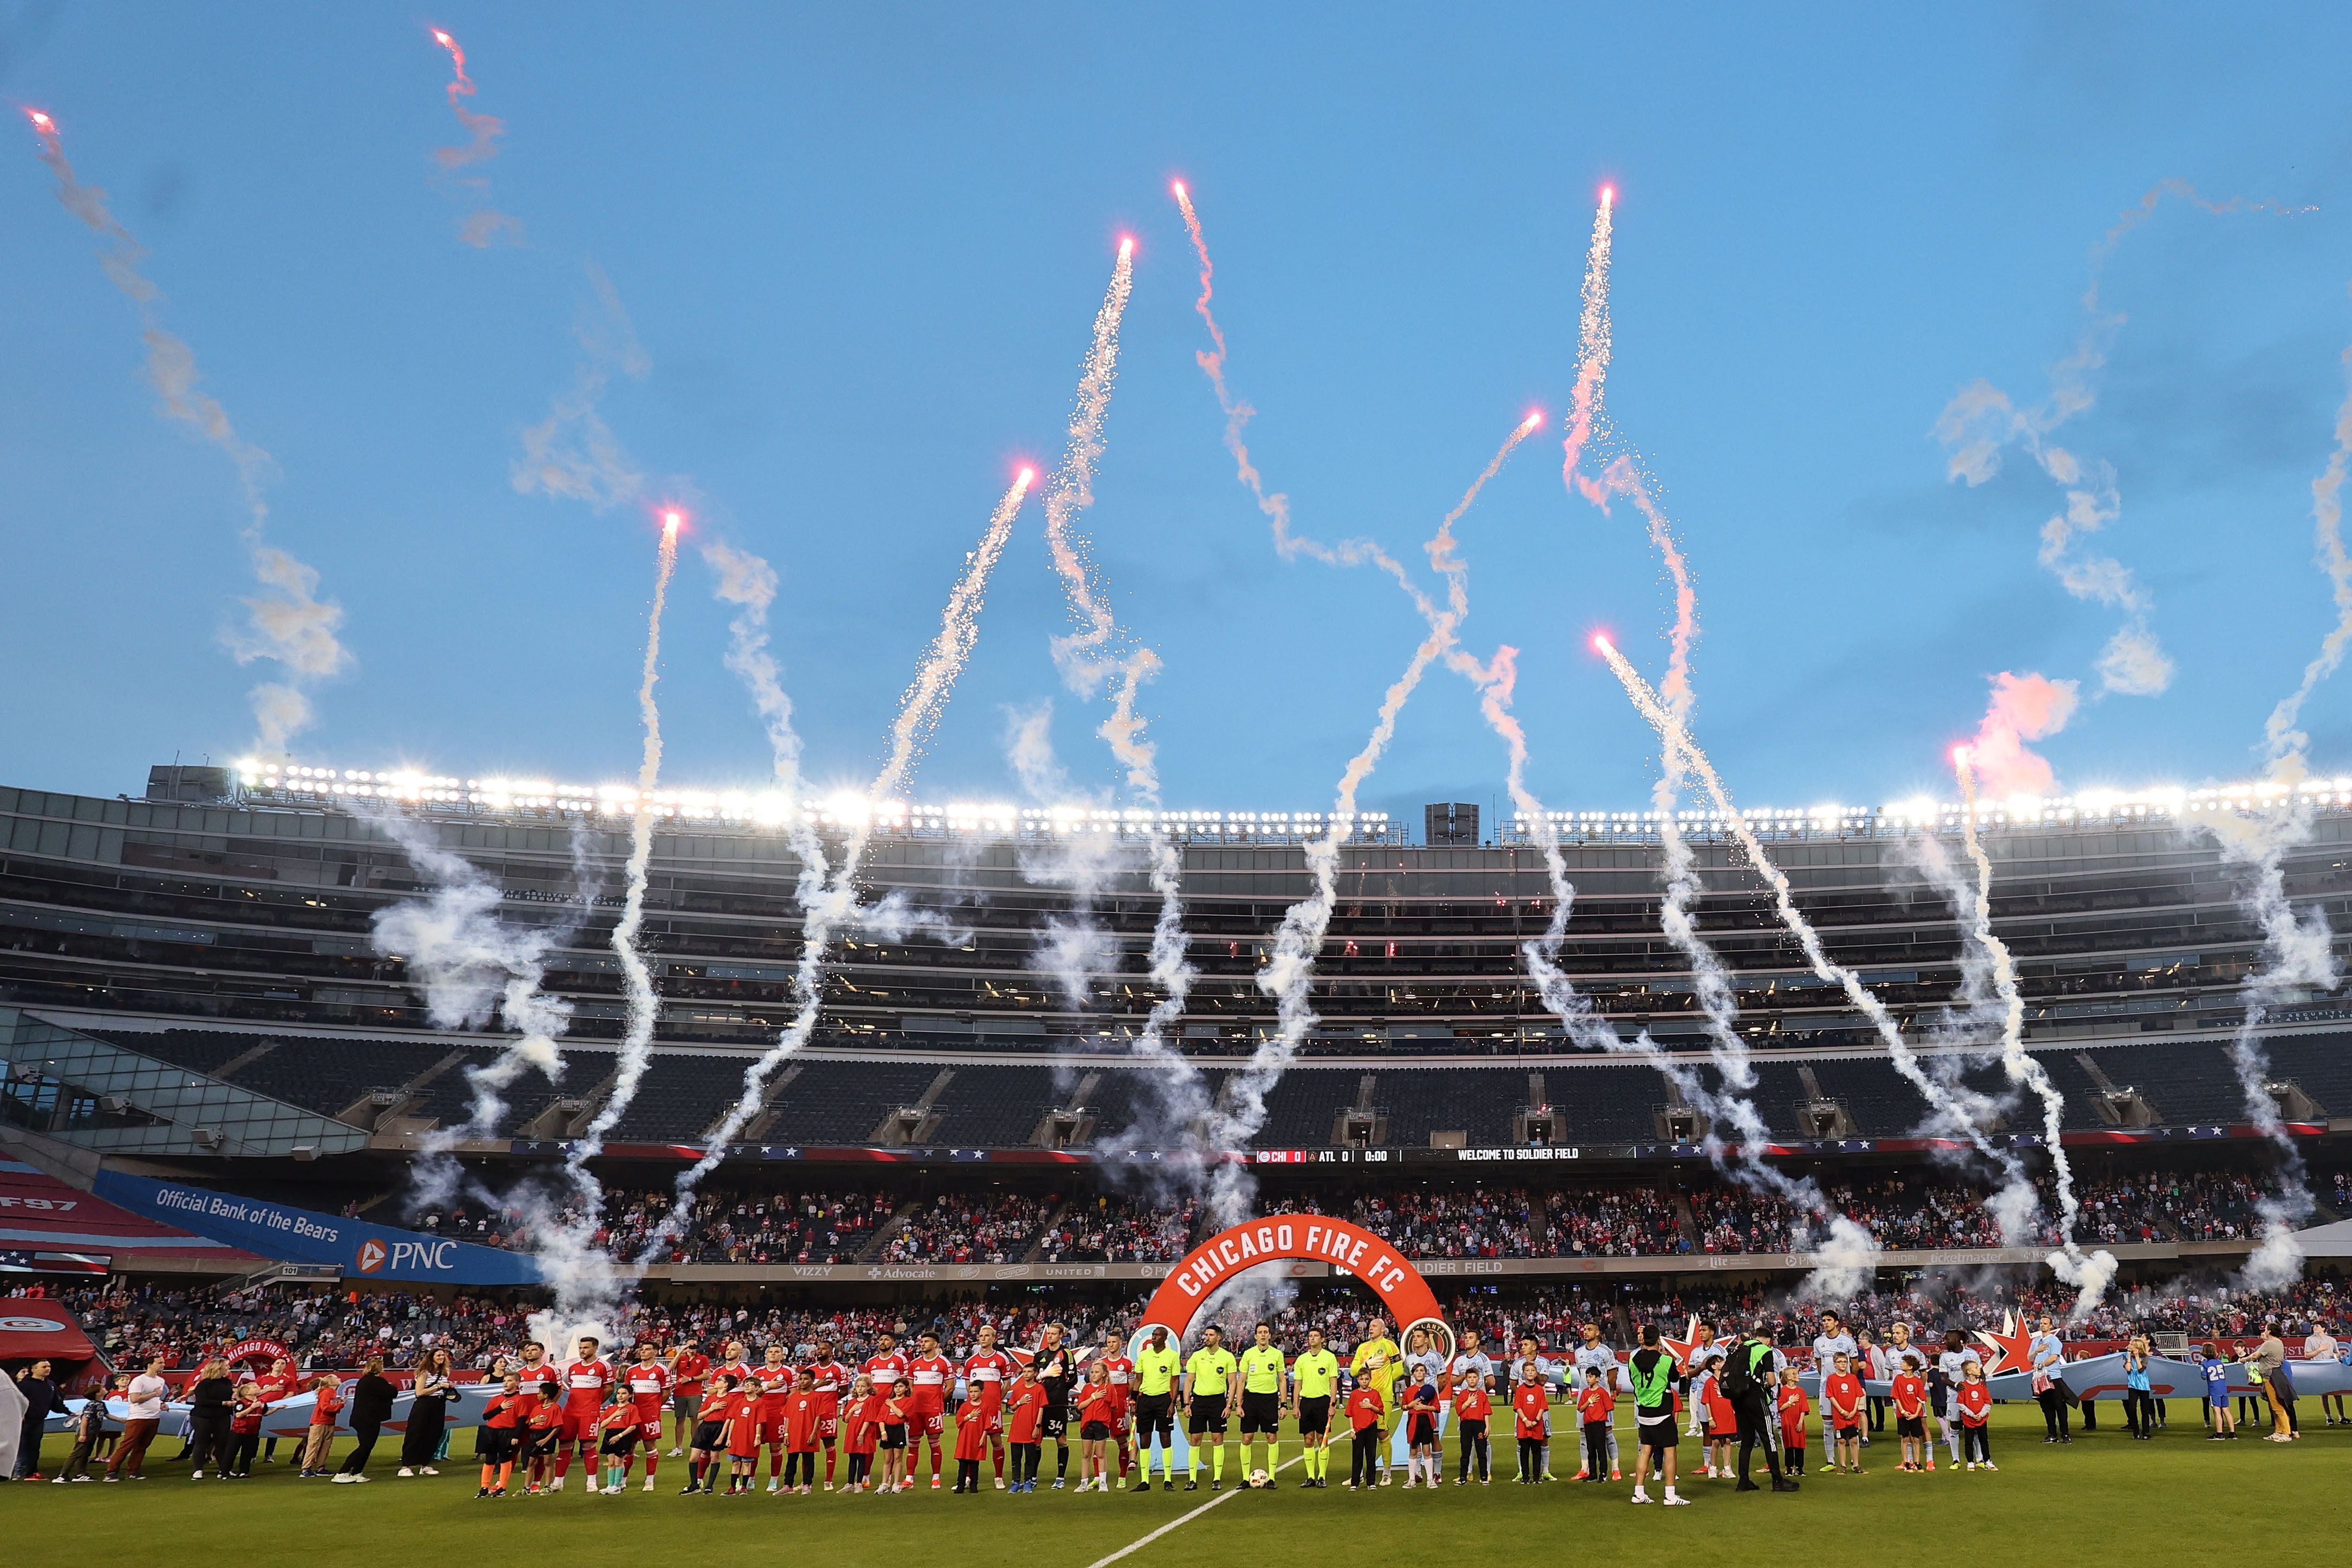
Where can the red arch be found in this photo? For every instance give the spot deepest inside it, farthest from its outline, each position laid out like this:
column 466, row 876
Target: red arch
column 1299, row 1237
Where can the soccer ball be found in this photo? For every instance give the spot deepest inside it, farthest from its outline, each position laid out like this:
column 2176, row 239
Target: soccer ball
column 1259, row 1480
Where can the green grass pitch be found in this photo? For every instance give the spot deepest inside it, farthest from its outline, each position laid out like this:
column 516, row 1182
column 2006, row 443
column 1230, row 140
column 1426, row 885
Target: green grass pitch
column 2105, row 1499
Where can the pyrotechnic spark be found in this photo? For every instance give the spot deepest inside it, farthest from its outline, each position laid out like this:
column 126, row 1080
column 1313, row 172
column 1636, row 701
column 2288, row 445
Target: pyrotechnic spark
column 1585, row 412
column 636, row 976
column 289, row 622
column 829, row 900
column 483, row 226
column 1950, row 1115
column 2091, row 1273
column 1289, row 975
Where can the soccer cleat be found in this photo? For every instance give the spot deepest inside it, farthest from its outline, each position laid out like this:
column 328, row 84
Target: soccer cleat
column 482, row 1493
column 1673, row 1501
column 935, row 1483
column 1616, row 1475
column 649, row 1483
column 1000, row 1484
column 1168, row 1486
column 1193, row 1485
column 1057, row 1483
column 1140, row 1487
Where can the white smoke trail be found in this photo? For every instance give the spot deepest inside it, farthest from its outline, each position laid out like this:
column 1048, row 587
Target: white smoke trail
column 2284, row 741
column 486, row 225
column 288, row 624
column 2091, row 1273
column 1951, row 1116
column 834, row 903
column 572, row 453
column 749, row 582
column 472, row 967
column 1289, row 975
column 636, row 976
column 1076, row 946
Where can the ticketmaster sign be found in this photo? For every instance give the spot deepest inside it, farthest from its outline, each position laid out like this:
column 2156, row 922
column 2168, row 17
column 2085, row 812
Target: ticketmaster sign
column 361, row 1251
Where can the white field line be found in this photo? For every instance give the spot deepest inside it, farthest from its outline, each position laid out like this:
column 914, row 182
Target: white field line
column 1183, row 1519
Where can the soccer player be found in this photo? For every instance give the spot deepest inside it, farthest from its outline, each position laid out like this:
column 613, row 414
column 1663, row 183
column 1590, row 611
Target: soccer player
column 1974, row 1398
column 1531, row 1406
column 1841, row 1400
column 1788, row 1402
column 1264, row 1384
column 1208, row 1381
column 585, row 1377
column 1157, row 1368
column 719, row 1399
column 1473, row 1408
column 1831, row 1342
column 1121, row 1373
column 774, row 1380
column 647, row 1383
column 731, row 1364
column 498, row 1440
column 1651, row 1370
column 1024, row 1417
column 1095, row 1403
column 1366, row 1409
column 1313, row 1376
column 929, row 1372
column 803, row 1415
column 1058, row 1371
column 1910, row 1392
column 828, row 1379
column 688, row 1367
column 1379, row 1362
column 1953, row 1364
column 985, row 1372
column 887, row 1365
column 1593, row 1354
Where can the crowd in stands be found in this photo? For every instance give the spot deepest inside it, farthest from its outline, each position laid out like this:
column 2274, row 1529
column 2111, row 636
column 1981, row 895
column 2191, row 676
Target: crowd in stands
column 1636, row 1221
column 1480, row 1223
column 951, row 1228
column 1106, row 1229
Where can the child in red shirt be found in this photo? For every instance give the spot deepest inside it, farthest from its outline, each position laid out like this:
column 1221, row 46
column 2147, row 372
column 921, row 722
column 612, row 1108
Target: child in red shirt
column 710, row 1432
column 545, row 1429
column 500, row 1418
column 1025, row 1414
column 1596, row 1407
column 897, row 1474
column 322, row 1426
column 1790, row 1401
column 1473, row 1405
column 1097, row 1406
column 1975, row 1396
column 1841, row 1404
column 1366, row 1411
column 1532, row 1405
column 803, row 1414
column 971, row 1444
column 861, row 1417
column 1722, row 1424
column 743, row 1429
column 622, row 1425
column 1910, row 1393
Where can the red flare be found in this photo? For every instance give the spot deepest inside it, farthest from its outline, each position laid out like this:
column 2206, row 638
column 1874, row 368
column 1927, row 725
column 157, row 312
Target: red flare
column 1601, row 645
column 672, row 520
column 1028, row 476
column 1535, row 418
column 1125, row 246
column 41, row 122
column 1608, row 195
column 1178, row 187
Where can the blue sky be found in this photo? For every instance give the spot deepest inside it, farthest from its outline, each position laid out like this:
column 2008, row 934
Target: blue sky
column 861, row 251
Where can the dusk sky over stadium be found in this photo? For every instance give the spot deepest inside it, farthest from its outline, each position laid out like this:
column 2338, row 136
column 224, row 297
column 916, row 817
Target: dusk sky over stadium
column 858, row 256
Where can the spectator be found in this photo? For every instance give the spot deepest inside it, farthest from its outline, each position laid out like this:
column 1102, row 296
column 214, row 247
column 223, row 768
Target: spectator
column 210, row 1394
column 428, row 1413
column 41, row 1398
column 86, row 1427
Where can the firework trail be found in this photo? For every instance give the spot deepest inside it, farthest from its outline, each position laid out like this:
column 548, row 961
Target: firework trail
column 637, row 977
column 2013, row 1222
column 1585, row 412
column 573, row 452
column 832, row 903
column 1981, row 420
column 2297, row 949
column 1239, row 412
column 486, row 225
column 473, row 967
column 288, row 623
column 2089, row 1273
column 2285, row 742
column 1289, row 975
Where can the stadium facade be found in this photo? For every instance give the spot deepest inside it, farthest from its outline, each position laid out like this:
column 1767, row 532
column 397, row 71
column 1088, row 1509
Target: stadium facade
column 188, row 984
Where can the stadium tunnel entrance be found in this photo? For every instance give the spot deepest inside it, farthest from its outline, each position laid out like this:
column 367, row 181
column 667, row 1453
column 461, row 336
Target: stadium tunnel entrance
column 1297, row 1237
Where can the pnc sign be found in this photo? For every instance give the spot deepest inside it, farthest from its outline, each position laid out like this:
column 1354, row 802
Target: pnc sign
column 429, row 1257
column 1313, row 1239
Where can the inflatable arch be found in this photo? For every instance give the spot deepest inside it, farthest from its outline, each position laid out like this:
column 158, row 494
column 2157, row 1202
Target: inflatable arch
column 1296, row 1238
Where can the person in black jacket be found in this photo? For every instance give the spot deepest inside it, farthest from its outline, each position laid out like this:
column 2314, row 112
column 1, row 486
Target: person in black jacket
column 41, row 1396
column 210, row 1394
column 1748, row 1380
column 372, row 1398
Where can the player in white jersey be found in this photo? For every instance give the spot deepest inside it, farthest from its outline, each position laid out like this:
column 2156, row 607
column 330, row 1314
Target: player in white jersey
column 1593, row 1354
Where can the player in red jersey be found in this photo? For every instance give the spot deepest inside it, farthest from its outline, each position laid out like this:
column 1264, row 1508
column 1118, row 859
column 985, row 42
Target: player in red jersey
column 985, row 1373
column 774, row 1380
column 688, row 1367
column 585, row 1378
column 648, row 1384
column 887, row 1365
column 929, row 1374
column 1121, row 1373
column 829, row 1380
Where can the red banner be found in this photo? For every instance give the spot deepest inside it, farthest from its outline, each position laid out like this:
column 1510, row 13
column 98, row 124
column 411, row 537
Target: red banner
column 1306, row 1239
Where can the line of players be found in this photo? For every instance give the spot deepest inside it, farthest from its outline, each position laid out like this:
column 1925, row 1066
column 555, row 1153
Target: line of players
column 883, row 1412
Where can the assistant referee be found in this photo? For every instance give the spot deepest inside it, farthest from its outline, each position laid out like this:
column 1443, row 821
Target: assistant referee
column 1314, row 1377
column 1157, row 1368
column 1262, row 1397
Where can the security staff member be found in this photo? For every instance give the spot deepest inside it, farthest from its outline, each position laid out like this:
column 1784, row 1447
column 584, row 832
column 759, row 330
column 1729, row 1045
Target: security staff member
column 1208, row 1380
column 1157, row 1368
column 1748, row 1380
column 1314, row 1378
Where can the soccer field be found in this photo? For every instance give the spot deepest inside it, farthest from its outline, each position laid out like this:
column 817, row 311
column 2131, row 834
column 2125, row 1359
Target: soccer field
column 2106, row 1499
